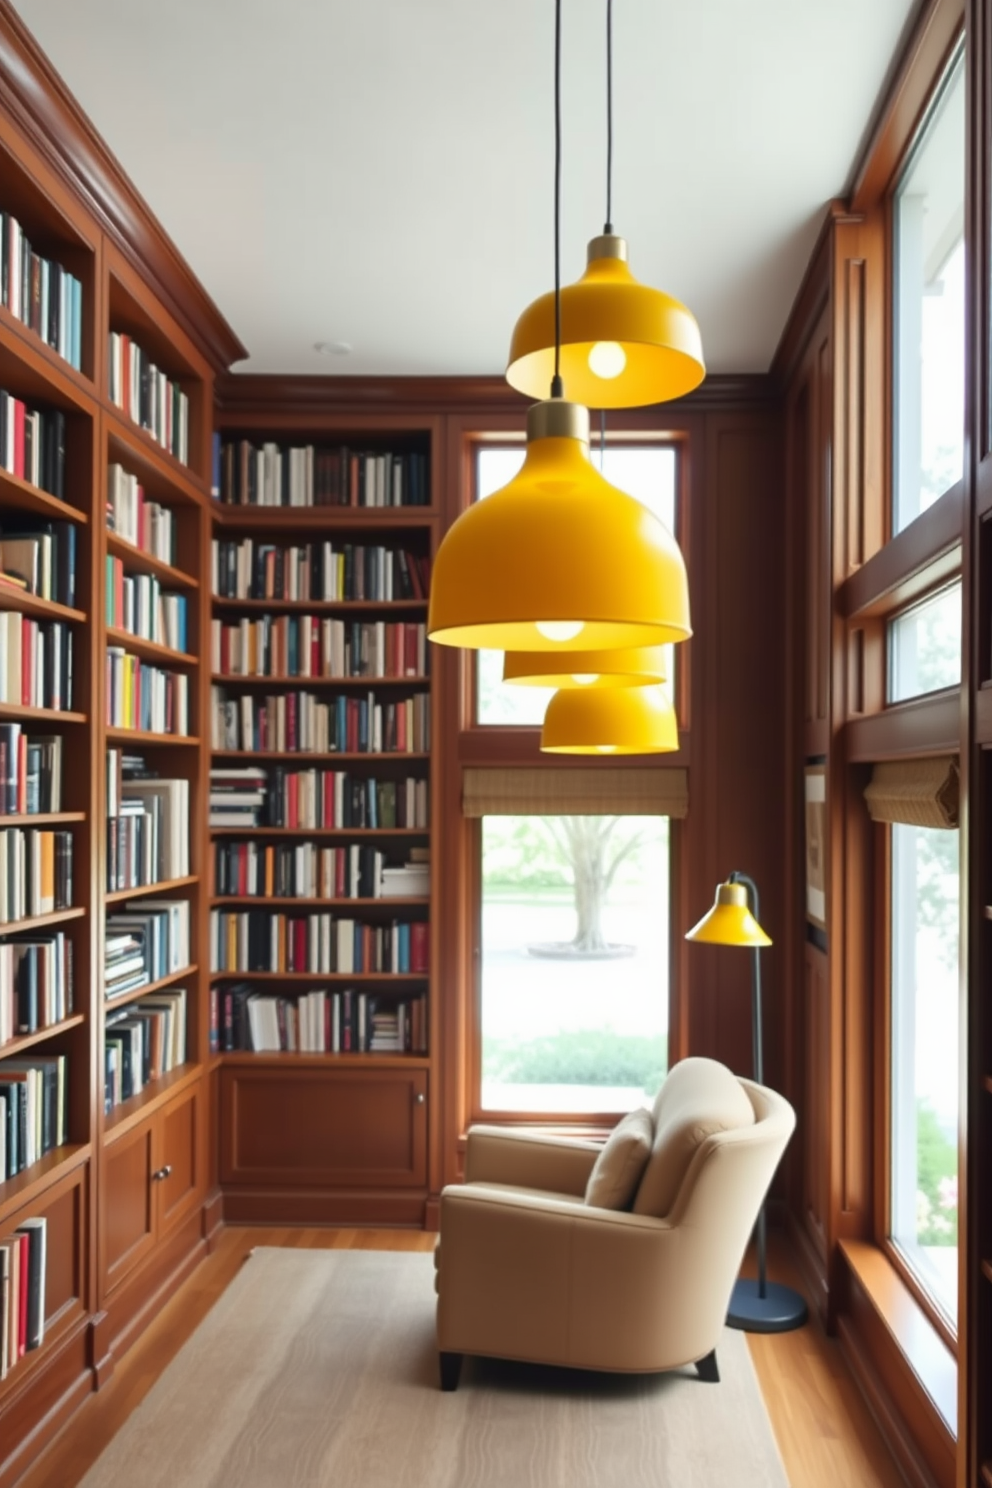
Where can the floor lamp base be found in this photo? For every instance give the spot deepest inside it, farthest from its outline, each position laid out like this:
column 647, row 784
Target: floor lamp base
column 776, row 1312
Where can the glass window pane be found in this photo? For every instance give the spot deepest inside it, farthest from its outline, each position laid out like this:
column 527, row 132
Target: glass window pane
column 574, row 979
column 644, row 471
column 924, row 646
column 924, row 1056
column 929, row 311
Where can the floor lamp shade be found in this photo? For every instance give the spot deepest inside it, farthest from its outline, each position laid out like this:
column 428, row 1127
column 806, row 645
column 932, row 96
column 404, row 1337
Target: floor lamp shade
column 558, row 557
column 614, row 720
column 623, row 344
column 632, row 666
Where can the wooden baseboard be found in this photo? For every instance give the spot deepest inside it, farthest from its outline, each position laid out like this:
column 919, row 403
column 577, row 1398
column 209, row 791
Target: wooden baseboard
column 310, row 1207
column 212, row 1219
column 812, row 1269
column 66, row 1377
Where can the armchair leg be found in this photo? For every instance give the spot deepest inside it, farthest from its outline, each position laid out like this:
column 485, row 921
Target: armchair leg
column 451, row 1368
column 706, row 1368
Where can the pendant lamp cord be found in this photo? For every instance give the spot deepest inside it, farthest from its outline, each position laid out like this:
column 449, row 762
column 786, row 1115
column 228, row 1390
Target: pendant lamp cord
column 557, row 390
column 608, row 225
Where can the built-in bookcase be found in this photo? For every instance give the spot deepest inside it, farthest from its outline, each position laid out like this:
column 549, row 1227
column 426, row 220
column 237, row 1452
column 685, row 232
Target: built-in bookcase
column 321, row 697
column 122, row 1186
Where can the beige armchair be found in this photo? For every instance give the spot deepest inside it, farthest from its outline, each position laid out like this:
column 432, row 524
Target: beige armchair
column 526, row 1269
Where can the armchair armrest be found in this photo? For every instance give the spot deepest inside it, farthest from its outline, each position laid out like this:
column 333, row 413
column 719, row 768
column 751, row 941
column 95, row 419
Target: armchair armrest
column 524, row 1276
column 529, row 1160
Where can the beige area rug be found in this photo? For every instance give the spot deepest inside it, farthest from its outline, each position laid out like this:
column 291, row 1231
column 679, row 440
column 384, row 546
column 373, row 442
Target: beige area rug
column 318, row 1369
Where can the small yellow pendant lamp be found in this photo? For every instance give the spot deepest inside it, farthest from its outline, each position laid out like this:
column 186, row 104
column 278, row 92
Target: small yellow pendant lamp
column 631, row 666
column 615, row 720
column 558, row 555
column 623, row 344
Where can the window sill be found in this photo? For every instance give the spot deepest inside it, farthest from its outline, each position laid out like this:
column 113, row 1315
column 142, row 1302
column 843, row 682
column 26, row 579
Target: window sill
column 931, row 1361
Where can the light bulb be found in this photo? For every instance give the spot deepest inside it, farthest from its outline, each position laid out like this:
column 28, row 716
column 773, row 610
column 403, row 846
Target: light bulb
column 584, row 679
column 559, row 630
column 607, row 359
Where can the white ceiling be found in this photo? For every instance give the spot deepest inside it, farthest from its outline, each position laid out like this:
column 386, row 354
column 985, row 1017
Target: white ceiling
column 380, row 172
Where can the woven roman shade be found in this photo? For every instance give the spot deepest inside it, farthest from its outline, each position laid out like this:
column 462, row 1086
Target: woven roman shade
column 599, row 792
column 915, row 793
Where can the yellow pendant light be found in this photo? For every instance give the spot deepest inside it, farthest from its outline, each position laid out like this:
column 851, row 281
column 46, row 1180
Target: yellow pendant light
column 630, row 667
column 558, row 555
column 605, row 721
column 623, row 344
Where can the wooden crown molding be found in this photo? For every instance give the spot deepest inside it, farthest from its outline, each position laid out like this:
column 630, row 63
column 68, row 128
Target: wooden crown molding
column 811, row 297
column 255, row 393
column 40, row 104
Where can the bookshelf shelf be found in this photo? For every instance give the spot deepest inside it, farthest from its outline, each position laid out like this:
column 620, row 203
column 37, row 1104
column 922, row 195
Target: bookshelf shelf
column 19, row 339
column 12, row 597
column 322, row 606
column 294, row 755
column 251, row 1060
column 150, row 988
column 25, row 1188
column 150, row 650
column 21, row 495
column 367, row 684
column 43, row 819
column 145, row 740
column 164, row 886
column 29, row 1040
column 289, row 901
column 365, row 834
column 398, row 979
column 165, row 477
column 41, row 715
column 323, row 519
column 41, row 922
column 138, row 561
column 139, row 1108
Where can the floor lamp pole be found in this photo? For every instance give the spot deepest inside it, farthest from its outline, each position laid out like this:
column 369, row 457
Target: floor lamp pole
column 761, row 1306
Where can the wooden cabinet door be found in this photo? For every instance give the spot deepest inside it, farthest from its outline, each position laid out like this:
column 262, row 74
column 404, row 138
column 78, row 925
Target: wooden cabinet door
column 310, row 1127
column 177, row 1179
column 128, row 1203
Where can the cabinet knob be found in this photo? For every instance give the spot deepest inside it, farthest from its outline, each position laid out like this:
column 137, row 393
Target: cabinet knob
column 420, row 1097
column 162, row 1173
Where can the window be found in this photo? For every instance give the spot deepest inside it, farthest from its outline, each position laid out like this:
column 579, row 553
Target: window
column 924, row 1057
column 929, row 309
column 924, row 646
column 574, row 962
column 645, row 471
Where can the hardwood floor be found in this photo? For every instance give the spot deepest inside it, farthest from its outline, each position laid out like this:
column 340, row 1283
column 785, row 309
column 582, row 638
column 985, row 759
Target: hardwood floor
column 824, row 1430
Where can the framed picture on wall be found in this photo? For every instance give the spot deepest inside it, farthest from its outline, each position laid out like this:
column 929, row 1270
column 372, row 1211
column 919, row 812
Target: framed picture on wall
column 816, row 845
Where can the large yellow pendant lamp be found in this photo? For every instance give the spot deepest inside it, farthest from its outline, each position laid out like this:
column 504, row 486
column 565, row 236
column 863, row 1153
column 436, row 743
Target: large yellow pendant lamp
column 607, row 721
column 623, row 344
column 559, row 556
column 640, row 666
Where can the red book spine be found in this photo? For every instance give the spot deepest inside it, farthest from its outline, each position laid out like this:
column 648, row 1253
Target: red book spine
column 22, row 774
column 327, row 818
column 293, row 800
column 19, row 415
column 419, row 945
column 27, row 662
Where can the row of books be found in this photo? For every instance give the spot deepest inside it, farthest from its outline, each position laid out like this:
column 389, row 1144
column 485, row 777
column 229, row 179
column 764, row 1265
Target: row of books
column 247, row 796
column 304, row 870
column 33, row 1110
column 317, row 1022
column 39, row 556
column 30, row 772
column 148, row 824
column 40, row 293
column 260, row 940
column 143, row 523
column 142, row 1043
column 32, row 444
column 35, row 983
column 249, row 568
column 142, row 696
column 138, row 603
column 149, row 396
column 146, row 941
column 310, row 475
column 36, row 662
column 23, row 1266
column 301, row 723
column 35, row 873
column 311, row 646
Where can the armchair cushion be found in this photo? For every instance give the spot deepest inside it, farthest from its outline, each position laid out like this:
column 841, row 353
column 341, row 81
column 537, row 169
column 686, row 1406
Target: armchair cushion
column 618, row 1168
column 699, row 1097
